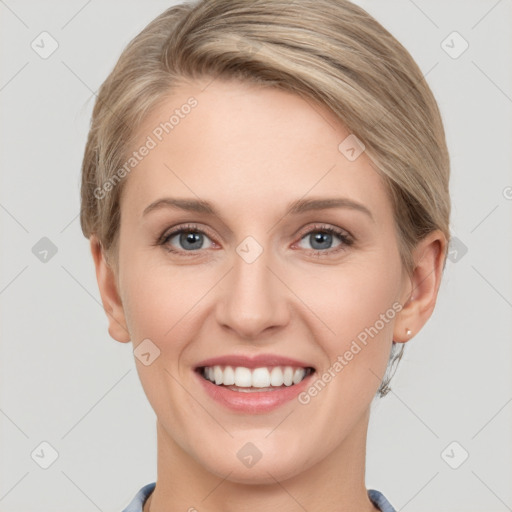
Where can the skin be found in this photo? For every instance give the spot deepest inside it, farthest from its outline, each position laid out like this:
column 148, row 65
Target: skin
column 250, row 151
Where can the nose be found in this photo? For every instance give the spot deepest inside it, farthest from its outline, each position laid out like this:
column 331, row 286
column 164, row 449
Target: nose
column 253, row 299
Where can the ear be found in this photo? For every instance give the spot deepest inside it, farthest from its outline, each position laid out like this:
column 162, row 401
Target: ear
column 422, row 287
column 117, row 327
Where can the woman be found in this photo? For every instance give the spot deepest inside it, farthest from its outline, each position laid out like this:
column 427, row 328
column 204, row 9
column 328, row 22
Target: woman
column 265, row 190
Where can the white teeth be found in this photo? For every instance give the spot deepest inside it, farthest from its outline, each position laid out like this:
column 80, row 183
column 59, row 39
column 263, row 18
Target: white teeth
column 218, row 374
column 263, row 377
column 276, row 377
column 243, row 377
column 298, row 375
column 288, row 376
column 229, row 376
column 260, row 378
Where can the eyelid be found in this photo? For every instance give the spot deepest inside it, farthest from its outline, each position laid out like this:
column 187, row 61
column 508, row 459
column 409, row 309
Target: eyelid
column 176, row 230
column 318, row 226
column 345, row 237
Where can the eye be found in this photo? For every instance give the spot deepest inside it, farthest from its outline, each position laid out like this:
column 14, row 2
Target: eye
column 321, row 238
column 191, row 239
column 187, row 238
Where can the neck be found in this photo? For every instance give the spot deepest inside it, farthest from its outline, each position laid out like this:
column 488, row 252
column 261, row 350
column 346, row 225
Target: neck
column 335, row 484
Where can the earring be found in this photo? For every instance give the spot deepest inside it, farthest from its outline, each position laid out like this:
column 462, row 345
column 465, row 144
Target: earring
column 408, row 332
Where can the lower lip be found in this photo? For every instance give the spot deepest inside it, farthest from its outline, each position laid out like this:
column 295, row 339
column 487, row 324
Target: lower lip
column 253, row 401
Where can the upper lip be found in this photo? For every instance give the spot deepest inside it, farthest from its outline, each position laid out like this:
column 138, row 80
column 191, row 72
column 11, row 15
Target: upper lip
column 254, row 361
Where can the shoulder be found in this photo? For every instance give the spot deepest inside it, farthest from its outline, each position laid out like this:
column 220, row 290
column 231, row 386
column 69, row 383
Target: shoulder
column 140, row 498
column 380, row 501
column 376, row 497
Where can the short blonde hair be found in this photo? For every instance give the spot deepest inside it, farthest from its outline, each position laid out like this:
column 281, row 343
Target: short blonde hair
column 330, row 51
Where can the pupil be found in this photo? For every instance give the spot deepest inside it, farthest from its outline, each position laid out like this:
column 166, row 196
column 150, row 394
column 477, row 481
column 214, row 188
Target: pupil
column 191, row 238
column 326, row 237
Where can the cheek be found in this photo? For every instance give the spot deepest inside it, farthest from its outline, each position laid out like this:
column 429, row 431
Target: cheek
column 163, row 304
column 161, row 299
column 352, row 299
column 357, row 305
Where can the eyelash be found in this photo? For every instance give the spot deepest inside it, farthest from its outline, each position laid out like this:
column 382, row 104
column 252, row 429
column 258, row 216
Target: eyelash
column 346, row 239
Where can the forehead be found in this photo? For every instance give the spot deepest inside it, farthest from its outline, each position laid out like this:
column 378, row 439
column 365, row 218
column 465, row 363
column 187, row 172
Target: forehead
column 246, row 146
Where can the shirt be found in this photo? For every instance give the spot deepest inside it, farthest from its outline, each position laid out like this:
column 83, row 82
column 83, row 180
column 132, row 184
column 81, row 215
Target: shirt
column 376, row 497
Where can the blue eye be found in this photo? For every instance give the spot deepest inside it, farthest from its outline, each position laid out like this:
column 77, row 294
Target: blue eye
column 321, row 239
column 190, row 239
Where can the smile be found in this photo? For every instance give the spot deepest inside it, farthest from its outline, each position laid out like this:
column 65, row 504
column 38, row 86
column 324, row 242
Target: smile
column 266, row 378
column 253, row 383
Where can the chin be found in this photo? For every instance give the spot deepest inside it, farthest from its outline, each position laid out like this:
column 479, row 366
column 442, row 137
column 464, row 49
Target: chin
column 262, row 472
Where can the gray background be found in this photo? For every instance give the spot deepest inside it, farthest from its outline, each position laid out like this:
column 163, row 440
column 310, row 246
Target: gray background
column 64, row 381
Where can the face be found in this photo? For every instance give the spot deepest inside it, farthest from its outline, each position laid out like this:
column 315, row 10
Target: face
column 295, row 263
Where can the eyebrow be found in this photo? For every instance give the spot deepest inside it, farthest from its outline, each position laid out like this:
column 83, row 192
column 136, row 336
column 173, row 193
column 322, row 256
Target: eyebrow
column 294, row 208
